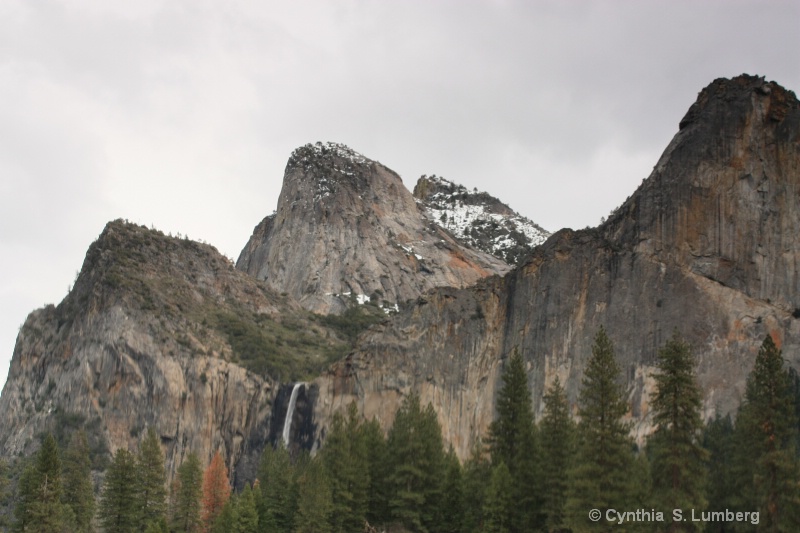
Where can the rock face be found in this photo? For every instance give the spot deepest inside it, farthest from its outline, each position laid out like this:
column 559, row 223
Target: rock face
column 479, row 219
column 346, row 227
column 156, row 333
column 166, row 333
column 708, row 245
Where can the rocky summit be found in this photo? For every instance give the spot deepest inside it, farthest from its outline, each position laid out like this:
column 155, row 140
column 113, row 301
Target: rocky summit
column 164, row 332
column 347, row 229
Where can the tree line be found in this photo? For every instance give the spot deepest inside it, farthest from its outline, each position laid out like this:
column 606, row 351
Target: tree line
column 525, row 477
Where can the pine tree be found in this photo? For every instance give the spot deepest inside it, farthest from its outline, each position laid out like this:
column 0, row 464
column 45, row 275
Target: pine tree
column 187, row 491
column 278, row 498
column 718, row 439
column 78, row 486
column 514, row 414
column 477, row 476
column 152, row 481
column 39, row 506
column 246, row 512
column 314, row 499
column 157, row 526
column 345, row 457
column 416, row 457
column 26, row 491
column 4, row 483
column 377, row 458
column 499, row 501
column 767, row 425
column 226, row 521
column 678, row 459
column 216, row 490
column 557, row 433
column 602, row 474
column 452, row 519
column 512, row 440
column 39, row 492
column 119, row 503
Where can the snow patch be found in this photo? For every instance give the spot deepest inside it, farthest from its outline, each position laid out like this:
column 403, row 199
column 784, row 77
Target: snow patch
column 466, row 215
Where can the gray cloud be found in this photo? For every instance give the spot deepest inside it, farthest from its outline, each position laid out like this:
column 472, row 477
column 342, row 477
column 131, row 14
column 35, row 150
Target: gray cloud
column 182, row 114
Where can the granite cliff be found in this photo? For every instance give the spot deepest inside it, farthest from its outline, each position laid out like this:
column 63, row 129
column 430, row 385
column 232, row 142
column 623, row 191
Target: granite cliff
column 346, row 227
column 707, row 244
column 165, row 332
column 160, row 332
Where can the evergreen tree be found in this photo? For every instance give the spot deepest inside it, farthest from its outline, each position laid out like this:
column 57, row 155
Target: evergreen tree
column 602, row 474
column 557, row 433
column 477, row 476
column 314, row 500
column 377, row 459
column 718, row 439
column 278, row 500
column 794, row 385
column 678, row 459
column 152, row 481
column 26, row 491
column 416, row 457
column 187, row 491
column 226, row 521
column 39, row 506
column 246, row 512
column 514, row 419
column 78, row 486
column 345, row 457
column 157, row 526
column 119, row 508
column 216, row 490
column 513, row 442
column 767, row 426
column 452, row 519
column 3, row 488
column 499, row 501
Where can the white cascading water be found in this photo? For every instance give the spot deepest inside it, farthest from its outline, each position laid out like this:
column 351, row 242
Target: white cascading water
column 287, row 424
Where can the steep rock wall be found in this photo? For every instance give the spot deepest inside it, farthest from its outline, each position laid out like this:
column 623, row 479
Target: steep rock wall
column 707, row 245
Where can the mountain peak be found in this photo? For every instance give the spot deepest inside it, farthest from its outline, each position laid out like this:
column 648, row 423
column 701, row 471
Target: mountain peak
column 325, row 151
column 725, row 97
column 347, row 228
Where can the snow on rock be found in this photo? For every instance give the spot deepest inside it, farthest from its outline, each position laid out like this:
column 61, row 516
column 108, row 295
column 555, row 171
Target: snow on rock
column 478, row 219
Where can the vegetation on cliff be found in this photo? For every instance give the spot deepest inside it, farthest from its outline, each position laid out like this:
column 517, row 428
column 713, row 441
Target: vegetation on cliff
column 196, row 302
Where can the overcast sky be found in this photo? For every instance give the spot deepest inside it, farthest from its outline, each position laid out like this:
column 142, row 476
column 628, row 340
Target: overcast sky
column 182, row 114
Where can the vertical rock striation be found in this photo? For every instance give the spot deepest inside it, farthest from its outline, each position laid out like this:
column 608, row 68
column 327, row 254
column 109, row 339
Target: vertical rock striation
column 708, row 245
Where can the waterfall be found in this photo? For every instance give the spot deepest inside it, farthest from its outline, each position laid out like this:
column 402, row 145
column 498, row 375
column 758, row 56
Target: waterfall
column 287, row 423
